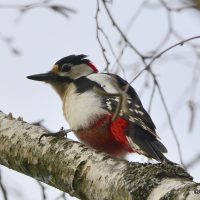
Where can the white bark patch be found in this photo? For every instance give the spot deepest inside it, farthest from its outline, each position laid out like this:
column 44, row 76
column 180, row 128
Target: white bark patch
column 82, row 171
column 165, row 186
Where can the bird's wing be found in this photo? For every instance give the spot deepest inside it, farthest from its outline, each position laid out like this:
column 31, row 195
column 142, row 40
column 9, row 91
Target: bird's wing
column 135, row 111
column 133, row 125
column 135, row 103
column 141, row 134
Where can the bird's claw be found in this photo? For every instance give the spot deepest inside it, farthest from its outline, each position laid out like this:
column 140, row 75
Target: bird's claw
column 61, row 133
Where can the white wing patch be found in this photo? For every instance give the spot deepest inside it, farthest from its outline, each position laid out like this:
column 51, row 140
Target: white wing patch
column 109, row 106
column 139, row 112
column 116, row 99
column 108, row 82
column 134, row 146
column 133, row 116
column 130, row 109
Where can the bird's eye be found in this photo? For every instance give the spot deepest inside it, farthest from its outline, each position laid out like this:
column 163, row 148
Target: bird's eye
column 65, row 68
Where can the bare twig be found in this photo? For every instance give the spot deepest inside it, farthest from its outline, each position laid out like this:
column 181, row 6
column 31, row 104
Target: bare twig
column 62, row 196
column 98, row 28
column 171, row 47
column 171, row 125
column 121, row 32
column 192, row 108
column 193, row 162
column 61, row 9
column 133, row 18
column 162, row 53
column 44, row 197
column 151, row 98
column 4, row 192
column 9, row 42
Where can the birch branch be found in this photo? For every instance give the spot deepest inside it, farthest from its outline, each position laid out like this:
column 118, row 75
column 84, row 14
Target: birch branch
column 85, row 173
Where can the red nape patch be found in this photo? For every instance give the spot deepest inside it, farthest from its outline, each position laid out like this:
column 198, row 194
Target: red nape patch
column 118, row 130
column 93, row 67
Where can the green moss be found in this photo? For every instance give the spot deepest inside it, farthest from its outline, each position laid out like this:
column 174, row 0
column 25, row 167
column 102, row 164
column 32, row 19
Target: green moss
column 54, row 140
column 142, row 178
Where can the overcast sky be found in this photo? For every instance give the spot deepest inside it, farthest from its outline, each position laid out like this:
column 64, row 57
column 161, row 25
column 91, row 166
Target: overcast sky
column 43, row 37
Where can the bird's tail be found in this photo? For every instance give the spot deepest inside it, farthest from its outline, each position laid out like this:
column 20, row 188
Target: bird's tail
column 148, row 143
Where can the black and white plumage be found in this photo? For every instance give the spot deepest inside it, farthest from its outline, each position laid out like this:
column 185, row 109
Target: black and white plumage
column 141, row 133
column 90, row 113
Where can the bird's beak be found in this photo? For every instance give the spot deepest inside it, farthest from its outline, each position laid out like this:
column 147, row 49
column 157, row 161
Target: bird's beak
column 50, row 77
column 46, row 77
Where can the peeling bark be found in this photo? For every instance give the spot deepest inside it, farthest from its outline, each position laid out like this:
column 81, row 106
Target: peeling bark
column 85, row 173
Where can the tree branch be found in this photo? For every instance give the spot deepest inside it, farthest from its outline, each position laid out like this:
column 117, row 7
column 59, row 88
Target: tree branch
column 85, row 173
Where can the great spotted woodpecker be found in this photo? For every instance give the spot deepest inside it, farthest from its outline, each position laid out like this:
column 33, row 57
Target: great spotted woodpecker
column 90, row 102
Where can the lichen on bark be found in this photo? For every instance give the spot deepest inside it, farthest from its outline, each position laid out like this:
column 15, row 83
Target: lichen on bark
column 145, row 177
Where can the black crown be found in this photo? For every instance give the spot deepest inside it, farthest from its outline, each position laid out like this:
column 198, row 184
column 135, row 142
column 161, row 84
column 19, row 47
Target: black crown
column 73, row 59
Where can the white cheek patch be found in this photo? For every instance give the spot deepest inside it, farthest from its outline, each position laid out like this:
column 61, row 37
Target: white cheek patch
column 80, row 70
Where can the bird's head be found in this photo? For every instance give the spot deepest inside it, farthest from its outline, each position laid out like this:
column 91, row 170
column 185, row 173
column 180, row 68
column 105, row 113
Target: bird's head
column 65, row 71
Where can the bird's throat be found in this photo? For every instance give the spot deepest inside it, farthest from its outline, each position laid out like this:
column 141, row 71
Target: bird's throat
column 60, row 88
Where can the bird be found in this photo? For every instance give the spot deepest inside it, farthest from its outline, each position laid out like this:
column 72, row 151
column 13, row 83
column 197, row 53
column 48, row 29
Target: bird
column 103, row 110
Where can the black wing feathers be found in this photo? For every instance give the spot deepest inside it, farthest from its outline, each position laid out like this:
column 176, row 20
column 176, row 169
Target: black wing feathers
column 84, row 84
column 141, row 128
column 147, row 142
column 136, row 101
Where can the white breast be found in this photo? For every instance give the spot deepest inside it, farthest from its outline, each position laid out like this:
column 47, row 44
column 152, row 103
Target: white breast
column 81, row 110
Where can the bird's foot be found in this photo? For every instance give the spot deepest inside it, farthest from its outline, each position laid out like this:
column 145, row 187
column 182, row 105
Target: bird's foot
column 61, row 133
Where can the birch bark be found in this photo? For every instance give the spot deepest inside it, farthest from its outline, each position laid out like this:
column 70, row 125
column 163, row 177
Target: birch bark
column 85, row 173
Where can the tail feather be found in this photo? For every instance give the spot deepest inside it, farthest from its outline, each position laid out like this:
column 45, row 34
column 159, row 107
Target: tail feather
column 147, row 143
column 159, row 153
column 150, row 151
column 162, row 148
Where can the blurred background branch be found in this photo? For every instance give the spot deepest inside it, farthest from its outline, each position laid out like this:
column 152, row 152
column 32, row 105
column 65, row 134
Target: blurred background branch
column 131, row 43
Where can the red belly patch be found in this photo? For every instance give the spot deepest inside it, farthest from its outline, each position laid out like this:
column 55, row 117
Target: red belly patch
column 107, row 136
